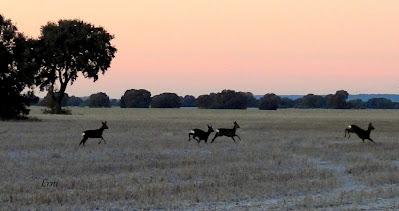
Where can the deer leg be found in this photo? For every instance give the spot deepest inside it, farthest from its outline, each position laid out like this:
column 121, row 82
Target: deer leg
column 371, row 140
column 216, row 135
column 102, row 139
column 233, row 139
column 347, row 132
column 189, row 137
column 363, row 140
column 238, row 137
column 83, row 141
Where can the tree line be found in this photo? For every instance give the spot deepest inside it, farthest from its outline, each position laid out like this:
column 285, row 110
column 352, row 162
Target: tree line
column 67, row 49
column 226, row 99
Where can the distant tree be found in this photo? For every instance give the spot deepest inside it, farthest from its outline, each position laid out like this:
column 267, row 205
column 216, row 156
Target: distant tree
column 226, row 99
column 286, row 102
column 252, row 102
column 269, row 102
column 18, row 70
column 230, row 99
column 49, row 102
column 206, row 101
column 74, row 101
column 136, row 98
column 188, row 101
column 312, row 101
column 298, row 102
column 99, row 100
column 356, row 104
column 337, row 100
column 115, row 102
column 380, row 103
column 166, row 100
column 70, row 47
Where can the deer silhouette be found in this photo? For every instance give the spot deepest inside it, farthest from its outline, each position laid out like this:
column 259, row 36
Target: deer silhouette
column 227, row 132
column 94, row 134
column 363, row 134
column 198, row 134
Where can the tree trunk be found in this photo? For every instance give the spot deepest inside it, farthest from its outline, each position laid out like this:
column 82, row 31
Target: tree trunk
column 58, row 100
column 57, row 108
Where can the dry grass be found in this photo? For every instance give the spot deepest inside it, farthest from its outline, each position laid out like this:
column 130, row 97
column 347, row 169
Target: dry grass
column 288, row 159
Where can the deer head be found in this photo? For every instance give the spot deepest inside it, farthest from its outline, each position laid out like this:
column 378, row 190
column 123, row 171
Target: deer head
column 371, row 127
column 104, row 126
column 210, row 129
column 236, row 125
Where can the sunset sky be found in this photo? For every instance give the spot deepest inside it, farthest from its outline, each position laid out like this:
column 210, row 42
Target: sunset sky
column 201, row 46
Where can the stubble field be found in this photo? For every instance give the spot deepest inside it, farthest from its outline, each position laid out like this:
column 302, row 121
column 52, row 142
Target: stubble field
column 287, row 159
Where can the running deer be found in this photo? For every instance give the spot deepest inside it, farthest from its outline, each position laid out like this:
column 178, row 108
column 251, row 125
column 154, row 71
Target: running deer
column 363, row 134
column 198, row 134
column 227, row 132
column 94, row 134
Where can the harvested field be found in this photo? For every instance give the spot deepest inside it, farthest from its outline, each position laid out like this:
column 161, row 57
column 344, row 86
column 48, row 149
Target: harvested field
column 287, row 159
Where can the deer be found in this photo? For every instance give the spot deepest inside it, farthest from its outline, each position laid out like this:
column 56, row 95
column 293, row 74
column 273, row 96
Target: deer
column 227, row 132
column 363, row 134
column 198, row 134
column 98, row 133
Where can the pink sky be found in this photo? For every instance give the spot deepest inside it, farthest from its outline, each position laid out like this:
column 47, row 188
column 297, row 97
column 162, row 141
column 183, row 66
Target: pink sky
column 201, row 46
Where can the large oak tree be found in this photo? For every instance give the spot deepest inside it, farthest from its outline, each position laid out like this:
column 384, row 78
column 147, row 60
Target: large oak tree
column 70, row 48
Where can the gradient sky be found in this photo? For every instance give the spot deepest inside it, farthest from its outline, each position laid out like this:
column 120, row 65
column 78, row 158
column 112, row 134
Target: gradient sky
column 201, row 46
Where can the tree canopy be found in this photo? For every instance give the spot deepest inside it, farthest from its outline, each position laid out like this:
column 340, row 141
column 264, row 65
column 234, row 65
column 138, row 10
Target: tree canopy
column 226, row 99
column 136, row 98
column 69, row 47
column 99, row 100
column 269, row 102
column 18, row 70
column 188, row 101
column 166, row 100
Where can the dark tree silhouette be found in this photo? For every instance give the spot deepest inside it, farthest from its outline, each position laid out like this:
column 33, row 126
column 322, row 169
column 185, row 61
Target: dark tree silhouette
column 136, row 98
column 99, row 100
column 166, row 100
column 269, row 102
column 18, row 69
column 188, row 101
column 252, row 102
column 227, row 99
column 380, row 103
column 48, row 100
column 230, row 99
column 356, row 104
column 286, row 103
column 74, row 101
column 69, row 47
column 206, row 101
column 337, row 100
column 312, row 101
column 115, row 102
